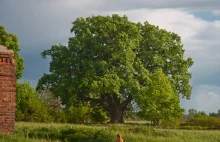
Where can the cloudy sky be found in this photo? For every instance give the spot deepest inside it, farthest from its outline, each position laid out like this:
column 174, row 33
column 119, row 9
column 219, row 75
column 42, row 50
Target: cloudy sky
column 42, row 23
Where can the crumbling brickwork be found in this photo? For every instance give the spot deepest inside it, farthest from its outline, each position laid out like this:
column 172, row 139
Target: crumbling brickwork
column 7, row 90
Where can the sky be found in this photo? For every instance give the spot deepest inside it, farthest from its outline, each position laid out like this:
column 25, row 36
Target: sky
column 39, row 24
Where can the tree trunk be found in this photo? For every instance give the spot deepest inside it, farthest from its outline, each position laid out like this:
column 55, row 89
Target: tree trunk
column 156, row 122
column 116, row 115
column 116, row 108
column 111, row 103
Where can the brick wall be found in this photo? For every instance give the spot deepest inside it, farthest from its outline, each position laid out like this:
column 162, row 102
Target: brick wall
column 7, row 90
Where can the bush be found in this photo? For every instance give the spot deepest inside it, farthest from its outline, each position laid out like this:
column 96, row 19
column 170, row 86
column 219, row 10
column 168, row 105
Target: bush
column 205, row 121
column 28, row 105
column 58, row 116
column 98, row 115
column 78, row 114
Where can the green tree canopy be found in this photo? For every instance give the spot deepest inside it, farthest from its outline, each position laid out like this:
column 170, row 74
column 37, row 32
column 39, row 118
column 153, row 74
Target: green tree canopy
column 109, row 61
column 192, row 112
column 160, row 49
column 158, row 102
column 11, row 42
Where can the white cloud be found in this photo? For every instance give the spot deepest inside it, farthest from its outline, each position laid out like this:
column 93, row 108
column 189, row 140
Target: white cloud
column 197, row 34
column 216, row 12
column 175, row 20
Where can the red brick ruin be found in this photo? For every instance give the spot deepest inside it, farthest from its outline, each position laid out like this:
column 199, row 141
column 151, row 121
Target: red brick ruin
column 7, row 90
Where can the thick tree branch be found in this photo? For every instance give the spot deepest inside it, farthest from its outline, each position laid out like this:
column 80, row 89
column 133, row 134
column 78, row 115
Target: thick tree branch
column 101, row 101
column 126, row 102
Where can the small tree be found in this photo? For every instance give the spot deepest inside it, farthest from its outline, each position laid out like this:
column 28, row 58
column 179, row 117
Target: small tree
column 192, row 113
column 11, row 42
column 54, row 102
column 28, row 105
column 201, row 113
column 158, row 102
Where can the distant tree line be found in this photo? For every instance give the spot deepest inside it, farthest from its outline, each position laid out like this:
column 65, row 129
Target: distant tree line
column 201, row 119
column 194, row 113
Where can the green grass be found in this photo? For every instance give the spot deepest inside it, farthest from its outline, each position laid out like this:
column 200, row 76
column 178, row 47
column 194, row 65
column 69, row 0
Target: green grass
column 42, row 132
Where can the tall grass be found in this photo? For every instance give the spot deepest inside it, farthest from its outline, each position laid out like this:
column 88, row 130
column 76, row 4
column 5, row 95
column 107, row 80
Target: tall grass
column 40, row 132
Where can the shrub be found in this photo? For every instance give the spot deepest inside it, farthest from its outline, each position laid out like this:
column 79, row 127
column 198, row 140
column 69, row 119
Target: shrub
column 28, row 105
column 98, row 115
column 205, row 121
column 78, row 114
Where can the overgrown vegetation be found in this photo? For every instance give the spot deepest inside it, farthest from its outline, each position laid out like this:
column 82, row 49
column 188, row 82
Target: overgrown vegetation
column 105, row 133
column 31, row 107
column 204, row 122
column 200, row 120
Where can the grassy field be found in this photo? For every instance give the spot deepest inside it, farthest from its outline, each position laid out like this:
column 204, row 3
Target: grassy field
column 42, row 132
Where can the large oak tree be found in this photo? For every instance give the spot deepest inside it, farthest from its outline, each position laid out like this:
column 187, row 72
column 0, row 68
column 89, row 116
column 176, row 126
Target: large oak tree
column 109, row 60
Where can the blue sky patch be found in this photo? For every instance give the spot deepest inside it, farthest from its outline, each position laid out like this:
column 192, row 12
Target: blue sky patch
column 206, row 15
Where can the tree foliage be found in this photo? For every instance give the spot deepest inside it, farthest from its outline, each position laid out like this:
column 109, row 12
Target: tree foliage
column 158, row 101
column 192, row 112
column 11, row 42
column 28, row 105
column 52, row 101
column 160, row 49
column 79, row 114
column 215, row 114
column 110, row 60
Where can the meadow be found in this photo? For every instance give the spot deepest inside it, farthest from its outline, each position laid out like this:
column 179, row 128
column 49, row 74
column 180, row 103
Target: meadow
column 53, row 132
